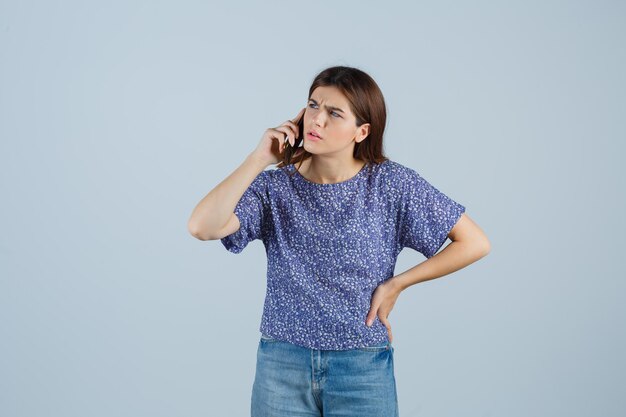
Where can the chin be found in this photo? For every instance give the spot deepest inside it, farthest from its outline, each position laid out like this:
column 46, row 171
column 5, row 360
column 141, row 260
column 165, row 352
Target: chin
column 308, row 148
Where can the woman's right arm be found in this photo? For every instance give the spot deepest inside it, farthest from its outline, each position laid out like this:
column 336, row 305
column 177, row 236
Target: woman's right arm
column 214, row 216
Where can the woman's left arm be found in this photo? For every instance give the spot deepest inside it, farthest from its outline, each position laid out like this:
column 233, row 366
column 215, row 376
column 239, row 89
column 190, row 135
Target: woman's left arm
column 468, row 245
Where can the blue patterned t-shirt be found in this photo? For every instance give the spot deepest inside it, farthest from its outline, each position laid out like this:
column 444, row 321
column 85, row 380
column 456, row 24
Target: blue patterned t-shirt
column 330, row 245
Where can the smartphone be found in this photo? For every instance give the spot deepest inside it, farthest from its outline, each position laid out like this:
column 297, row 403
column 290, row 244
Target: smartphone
column 289, row 151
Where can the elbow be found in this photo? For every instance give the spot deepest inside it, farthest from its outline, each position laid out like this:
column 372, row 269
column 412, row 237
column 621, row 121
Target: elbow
column 196, row 232
column 200, row 237
column 197, row 235
column 484, row 247
column 478, row 247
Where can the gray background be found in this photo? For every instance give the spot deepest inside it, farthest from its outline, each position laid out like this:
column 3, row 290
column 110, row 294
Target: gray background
column 117, row 118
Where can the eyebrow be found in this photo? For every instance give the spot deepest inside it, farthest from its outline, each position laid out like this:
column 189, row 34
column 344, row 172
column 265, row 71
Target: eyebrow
column 328, row 107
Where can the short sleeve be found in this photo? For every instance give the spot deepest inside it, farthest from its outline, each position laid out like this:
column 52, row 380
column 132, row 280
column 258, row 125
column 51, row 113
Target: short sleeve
column 250, row 210
column 427, row 216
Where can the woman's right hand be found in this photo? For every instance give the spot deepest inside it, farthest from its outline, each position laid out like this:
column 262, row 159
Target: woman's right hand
column 272, row 145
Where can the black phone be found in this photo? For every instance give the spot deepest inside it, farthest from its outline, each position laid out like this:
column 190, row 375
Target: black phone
column 289, row 151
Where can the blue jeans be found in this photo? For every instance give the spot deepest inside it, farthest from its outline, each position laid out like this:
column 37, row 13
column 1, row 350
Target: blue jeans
column 293, row 381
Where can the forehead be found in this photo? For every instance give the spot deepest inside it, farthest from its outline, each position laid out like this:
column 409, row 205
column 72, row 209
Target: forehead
column 330, row 96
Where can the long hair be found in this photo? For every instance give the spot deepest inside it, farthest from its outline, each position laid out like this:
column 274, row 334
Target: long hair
column 366, row 103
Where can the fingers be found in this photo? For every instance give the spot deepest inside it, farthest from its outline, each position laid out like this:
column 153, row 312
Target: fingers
column 293, row 124
column 296, row 132
column 290, row 130
column 279, row 135
column 388, row 326
column 372, row 315
column 282, row 134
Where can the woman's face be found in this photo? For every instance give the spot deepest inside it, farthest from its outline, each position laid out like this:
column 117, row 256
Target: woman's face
column 328, row 113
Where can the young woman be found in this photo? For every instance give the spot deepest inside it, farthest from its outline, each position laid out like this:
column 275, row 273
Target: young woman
column 333, row 217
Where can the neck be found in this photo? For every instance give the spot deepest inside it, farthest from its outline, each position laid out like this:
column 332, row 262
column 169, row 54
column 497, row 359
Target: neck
column 330, row 171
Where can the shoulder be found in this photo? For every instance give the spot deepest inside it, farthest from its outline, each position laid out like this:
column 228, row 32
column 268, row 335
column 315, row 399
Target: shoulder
column 395, row 174
column 277, row 175
column 271, row 175
column 395, row 169
column 274, row 178
column 262, row 180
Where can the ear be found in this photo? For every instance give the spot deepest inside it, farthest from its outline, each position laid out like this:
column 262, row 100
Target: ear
column 362, row 132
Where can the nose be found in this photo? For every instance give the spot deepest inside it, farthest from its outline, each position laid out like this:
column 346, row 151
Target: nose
column 316, row 119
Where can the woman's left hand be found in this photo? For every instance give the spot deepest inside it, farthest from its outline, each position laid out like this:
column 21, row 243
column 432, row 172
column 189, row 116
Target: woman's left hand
column 383, row 300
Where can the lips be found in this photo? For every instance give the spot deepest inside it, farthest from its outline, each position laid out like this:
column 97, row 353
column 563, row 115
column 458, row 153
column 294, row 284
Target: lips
column 314, row 133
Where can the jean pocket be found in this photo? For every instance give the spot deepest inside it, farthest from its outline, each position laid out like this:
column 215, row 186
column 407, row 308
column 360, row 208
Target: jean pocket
column 266, row 338
column 380, row 347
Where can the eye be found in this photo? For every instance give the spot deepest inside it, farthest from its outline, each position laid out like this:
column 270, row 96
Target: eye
column 332, row 112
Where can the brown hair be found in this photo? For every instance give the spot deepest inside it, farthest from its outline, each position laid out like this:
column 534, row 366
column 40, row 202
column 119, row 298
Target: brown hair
column 366, row 103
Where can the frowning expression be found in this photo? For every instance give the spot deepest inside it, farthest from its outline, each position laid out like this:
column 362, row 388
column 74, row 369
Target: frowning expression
column 329, row 124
